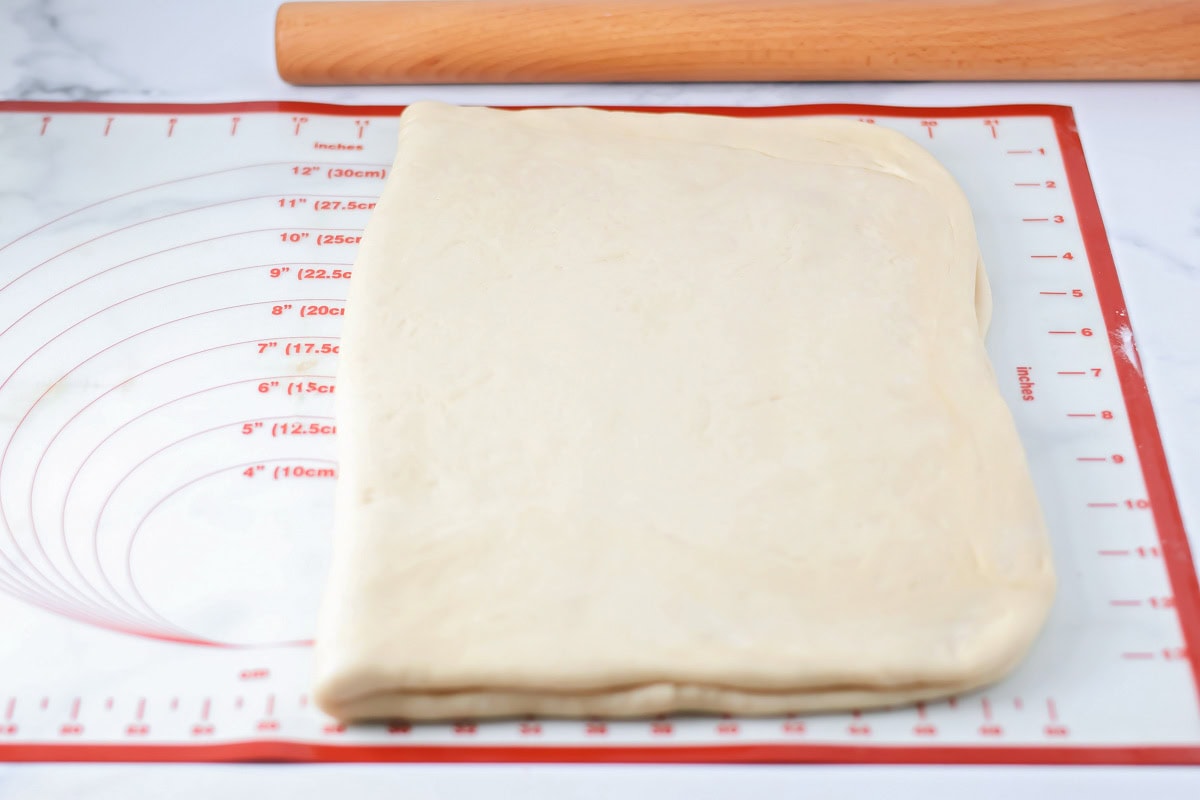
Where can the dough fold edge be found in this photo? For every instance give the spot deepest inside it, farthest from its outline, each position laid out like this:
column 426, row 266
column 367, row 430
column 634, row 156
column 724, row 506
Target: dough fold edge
column 632, row 702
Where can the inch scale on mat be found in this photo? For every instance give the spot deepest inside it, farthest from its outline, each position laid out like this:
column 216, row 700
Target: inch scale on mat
column 172, row 281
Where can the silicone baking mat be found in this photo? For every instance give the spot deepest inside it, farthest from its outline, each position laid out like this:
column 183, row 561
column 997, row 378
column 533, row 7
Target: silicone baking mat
column 172, row 282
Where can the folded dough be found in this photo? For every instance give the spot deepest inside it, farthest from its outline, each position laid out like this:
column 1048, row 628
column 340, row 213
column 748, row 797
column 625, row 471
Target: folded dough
column 643, row 413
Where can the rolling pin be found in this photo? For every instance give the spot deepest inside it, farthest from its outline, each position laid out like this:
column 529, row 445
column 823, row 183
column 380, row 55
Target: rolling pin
column 558, row 41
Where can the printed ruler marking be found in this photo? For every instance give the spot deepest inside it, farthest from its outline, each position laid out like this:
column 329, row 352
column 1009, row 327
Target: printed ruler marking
column 1128, row 530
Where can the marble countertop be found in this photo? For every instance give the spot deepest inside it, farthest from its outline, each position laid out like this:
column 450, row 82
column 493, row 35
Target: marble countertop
column 1140, row 141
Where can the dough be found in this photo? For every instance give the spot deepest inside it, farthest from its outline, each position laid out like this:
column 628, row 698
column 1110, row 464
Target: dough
column 642, row 413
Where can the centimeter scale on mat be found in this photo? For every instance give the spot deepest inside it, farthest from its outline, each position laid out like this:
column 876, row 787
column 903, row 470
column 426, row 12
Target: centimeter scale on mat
column 172, row 282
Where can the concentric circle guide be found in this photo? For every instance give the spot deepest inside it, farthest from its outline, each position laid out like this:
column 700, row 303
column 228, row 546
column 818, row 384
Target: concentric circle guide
column 172, row 283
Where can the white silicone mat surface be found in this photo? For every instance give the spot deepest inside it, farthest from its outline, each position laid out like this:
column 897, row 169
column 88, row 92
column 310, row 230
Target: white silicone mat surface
column 172, row 282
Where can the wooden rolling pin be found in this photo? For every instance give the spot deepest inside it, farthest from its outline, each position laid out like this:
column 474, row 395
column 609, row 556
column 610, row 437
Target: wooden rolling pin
column 556, row 41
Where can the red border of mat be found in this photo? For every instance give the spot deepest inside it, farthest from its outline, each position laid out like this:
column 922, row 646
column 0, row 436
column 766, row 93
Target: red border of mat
column 304, row 752
column 1168, row 520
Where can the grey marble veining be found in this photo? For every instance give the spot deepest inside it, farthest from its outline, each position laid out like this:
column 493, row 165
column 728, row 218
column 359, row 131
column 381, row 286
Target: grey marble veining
column 51, row 58
column 1139, row 138
column 1141, row 144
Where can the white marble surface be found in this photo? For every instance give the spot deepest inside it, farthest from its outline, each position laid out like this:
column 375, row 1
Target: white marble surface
column 1141, row 144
